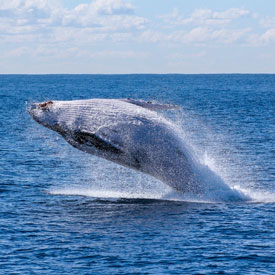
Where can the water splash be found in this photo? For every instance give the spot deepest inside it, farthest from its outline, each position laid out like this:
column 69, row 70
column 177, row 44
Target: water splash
column 213, row 171
column 225, row 180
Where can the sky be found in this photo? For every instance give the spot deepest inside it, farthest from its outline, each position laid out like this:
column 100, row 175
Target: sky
column 137, row 36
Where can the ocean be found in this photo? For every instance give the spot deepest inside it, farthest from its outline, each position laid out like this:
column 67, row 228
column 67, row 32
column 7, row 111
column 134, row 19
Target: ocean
column 67, row 212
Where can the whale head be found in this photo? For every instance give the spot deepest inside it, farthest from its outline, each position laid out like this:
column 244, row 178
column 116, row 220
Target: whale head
column 81, row 123
column 47, row 114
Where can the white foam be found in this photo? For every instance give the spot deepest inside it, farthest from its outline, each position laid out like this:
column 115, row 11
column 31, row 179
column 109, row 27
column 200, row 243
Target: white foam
column 109, row 194
column 257, row 196
column 235, row 194
column 171, row 195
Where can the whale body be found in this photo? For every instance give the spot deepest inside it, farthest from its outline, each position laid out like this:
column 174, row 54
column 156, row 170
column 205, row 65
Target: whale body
column 128, row 132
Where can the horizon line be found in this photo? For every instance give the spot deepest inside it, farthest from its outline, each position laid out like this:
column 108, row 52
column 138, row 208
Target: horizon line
column 137, row 73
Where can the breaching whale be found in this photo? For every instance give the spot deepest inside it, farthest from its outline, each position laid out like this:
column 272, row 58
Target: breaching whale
column 125, row 131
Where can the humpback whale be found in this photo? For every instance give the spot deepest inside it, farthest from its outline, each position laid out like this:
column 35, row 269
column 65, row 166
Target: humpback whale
column 129, row 132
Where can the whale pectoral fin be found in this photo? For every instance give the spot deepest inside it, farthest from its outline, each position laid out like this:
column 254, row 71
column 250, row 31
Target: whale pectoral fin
column 150, row 105
column 91, row 139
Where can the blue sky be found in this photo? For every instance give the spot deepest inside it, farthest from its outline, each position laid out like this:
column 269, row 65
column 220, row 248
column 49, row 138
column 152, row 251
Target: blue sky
column 137, row 36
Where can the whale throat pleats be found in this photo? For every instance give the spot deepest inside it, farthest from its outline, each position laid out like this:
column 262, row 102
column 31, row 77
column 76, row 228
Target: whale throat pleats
column 91, row 139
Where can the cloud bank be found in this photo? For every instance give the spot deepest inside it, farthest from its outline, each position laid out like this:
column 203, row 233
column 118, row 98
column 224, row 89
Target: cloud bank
column 113, row 29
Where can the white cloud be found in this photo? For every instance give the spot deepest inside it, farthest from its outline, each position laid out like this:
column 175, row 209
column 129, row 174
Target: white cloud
column 202, row 14
column 230, row 14
column 110, row 14
column 262, row 39
column 205, row 17
column 115, row 54
column 121, row 37
column 111, row 7
column 115, row 21
column 25, row 4
column 197, row 36
column 268, row 22
column 99, row 29
column 49, row 51
column 24, row 12
column 230, row 36
column 151, row 36
column 105, row 14
column 269, row 36
column 204, row 26
column 36, row 28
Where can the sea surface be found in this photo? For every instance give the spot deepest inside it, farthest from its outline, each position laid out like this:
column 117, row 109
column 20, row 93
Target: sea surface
column 66, row 212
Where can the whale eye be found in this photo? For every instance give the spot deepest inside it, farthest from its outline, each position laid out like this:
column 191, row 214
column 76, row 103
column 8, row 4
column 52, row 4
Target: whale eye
column 45, row 105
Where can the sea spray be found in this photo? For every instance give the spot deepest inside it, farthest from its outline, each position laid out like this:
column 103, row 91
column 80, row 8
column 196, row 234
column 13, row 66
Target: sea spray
column 122, row 182
column 224, row 180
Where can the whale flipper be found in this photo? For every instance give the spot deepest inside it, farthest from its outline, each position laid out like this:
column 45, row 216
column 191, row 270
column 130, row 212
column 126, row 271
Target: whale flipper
column 91, row 139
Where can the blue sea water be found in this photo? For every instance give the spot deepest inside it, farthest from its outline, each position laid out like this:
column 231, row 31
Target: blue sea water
column 67, row 212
